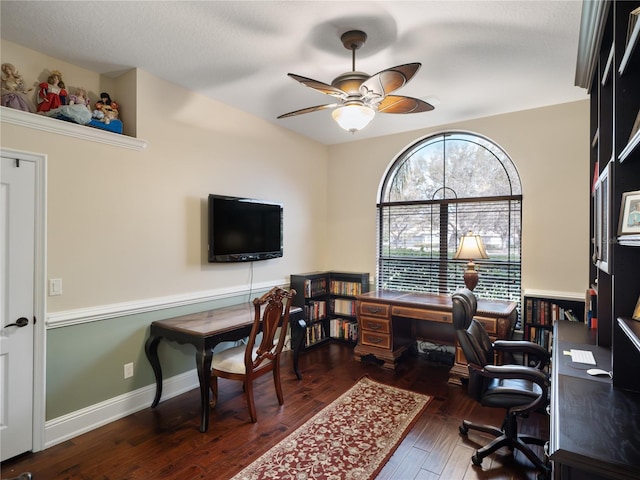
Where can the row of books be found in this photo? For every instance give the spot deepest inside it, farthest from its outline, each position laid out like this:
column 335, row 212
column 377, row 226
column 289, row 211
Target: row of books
column 343, row 306
column 315, row 333
column 343, row 329
column 350, row 289
column 314, row 287
column 544, row 312
column 542, row 336
column 318, row 286
column 316, row 310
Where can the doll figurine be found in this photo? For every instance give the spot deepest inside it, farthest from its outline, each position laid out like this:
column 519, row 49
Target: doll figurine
column 80, row 98
column 52, row 94
column 105, row 109
column 14, row 93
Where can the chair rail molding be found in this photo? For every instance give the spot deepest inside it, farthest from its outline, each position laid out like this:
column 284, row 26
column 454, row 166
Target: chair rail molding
column 67, row 318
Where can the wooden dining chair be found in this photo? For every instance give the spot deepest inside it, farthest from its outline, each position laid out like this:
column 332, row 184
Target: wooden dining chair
column 247, row 362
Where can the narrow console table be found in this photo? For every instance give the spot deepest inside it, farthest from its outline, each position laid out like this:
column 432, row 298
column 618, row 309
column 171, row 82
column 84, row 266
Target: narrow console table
column 390, row 322
column 595, row 427
column 205, row 330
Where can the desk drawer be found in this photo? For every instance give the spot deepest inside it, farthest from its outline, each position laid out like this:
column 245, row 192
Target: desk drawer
column 374, row 309
column 421, row 314
column 375, row 325
column 489, row 324
column 376, row 339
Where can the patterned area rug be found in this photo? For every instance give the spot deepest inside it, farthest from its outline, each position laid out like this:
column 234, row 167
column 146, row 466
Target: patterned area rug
column 352, row 438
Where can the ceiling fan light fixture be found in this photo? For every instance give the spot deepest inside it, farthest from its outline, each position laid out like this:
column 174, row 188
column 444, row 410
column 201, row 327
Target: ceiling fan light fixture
column 353, row 117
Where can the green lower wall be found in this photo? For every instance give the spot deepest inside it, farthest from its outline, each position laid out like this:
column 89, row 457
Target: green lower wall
column 85, row 362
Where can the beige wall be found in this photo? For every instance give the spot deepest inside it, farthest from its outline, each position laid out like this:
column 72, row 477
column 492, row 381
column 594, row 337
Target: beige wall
column 128, row 226
column 549, row 147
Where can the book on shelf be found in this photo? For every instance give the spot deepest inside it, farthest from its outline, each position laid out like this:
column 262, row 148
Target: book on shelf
column 591, row 303
column 569, row 315
column 632, row 240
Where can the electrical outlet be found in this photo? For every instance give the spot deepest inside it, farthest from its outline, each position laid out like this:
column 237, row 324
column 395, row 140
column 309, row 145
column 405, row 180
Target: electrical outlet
column 128, row 370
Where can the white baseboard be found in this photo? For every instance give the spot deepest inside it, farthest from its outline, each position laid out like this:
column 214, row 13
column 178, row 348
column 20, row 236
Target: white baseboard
column 82, row 421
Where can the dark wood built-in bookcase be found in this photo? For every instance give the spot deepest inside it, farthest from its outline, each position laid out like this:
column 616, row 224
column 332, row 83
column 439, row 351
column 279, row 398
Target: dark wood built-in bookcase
column 542, row 309
column 609, row 66
column 328, row 300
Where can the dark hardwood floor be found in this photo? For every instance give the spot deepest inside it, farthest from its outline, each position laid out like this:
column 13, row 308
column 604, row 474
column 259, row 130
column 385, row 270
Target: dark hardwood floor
column 164, row 443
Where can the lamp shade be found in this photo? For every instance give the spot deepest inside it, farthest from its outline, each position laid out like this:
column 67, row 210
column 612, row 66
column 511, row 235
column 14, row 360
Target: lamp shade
column 470, row 248
column 353, row 117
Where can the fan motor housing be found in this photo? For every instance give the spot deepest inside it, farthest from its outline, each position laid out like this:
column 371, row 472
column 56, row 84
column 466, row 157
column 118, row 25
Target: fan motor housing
column 350, row 82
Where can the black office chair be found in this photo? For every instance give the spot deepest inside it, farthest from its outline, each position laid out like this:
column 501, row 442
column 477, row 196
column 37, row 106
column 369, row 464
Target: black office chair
column 518, row 389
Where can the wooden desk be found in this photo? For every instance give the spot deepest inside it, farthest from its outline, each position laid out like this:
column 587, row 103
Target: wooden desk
column 204, row 330
column 595, row 427
column 390, row 322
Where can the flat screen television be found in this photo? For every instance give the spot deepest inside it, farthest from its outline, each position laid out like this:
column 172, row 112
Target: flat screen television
column 243, row 229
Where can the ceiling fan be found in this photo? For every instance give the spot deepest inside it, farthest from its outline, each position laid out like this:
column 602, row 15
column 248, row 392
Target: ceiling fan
column 361, row 95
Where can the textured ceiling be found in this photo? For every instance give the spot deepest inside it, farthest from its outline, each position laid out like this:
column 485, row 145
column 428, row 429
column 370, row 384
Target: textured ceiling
column 478, row 58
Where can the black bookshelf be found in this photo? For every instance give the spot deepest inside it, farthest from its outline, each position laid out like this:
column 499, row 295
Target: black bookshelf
column 329, row 304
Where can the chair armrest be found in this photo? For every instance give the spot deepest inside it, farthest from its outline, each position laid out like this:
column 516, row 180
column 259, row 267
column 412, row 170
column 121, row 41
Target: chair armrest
column 520, row 372
column 524, row 346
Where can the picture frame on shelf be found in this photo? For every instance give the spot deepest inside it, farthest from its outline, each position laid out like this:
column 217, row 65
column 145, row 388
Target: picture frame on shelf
column 629, row 223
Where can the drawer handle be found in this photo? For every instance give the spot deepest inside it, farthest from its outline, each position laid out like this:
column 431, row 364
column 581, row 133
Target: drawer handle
column 374, row 326
column 376, row 340
column 374, row 309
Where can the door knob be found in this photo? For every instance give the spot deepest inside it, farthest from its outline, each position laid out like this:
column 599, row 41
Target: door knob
column 21, row 322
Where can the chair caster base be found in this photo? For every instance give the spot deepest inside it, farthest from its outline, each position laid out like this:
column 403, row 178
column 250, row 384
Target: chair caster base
column 476, row 460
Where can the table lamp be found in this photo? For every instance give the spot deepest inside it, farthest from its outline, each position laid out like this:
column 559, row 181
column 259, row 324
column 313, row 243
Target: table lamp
column 471, row 247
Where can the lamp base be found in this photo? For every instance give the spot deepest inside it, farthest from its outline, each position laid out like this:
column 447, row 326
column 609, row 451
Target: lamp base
column 470, row 276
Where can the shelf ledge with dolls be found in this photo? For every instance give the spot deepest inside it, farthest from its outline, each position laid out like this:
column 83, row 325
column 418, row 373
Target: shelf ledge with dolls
column 55, row 102
column 71, row 129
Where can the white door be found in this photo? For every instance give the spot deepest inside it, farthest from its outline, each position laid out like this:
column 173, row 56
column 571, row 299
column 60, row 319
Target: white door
column 17, row 270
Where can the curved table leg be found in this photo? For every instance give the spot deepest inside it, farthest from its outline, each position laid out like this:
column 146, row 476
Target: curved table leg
column 151, row 349
column 203, row 364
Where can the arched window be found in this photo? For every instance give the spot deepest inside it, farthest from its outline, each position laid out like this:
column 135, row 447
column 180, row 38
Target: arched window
column 439, row 189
